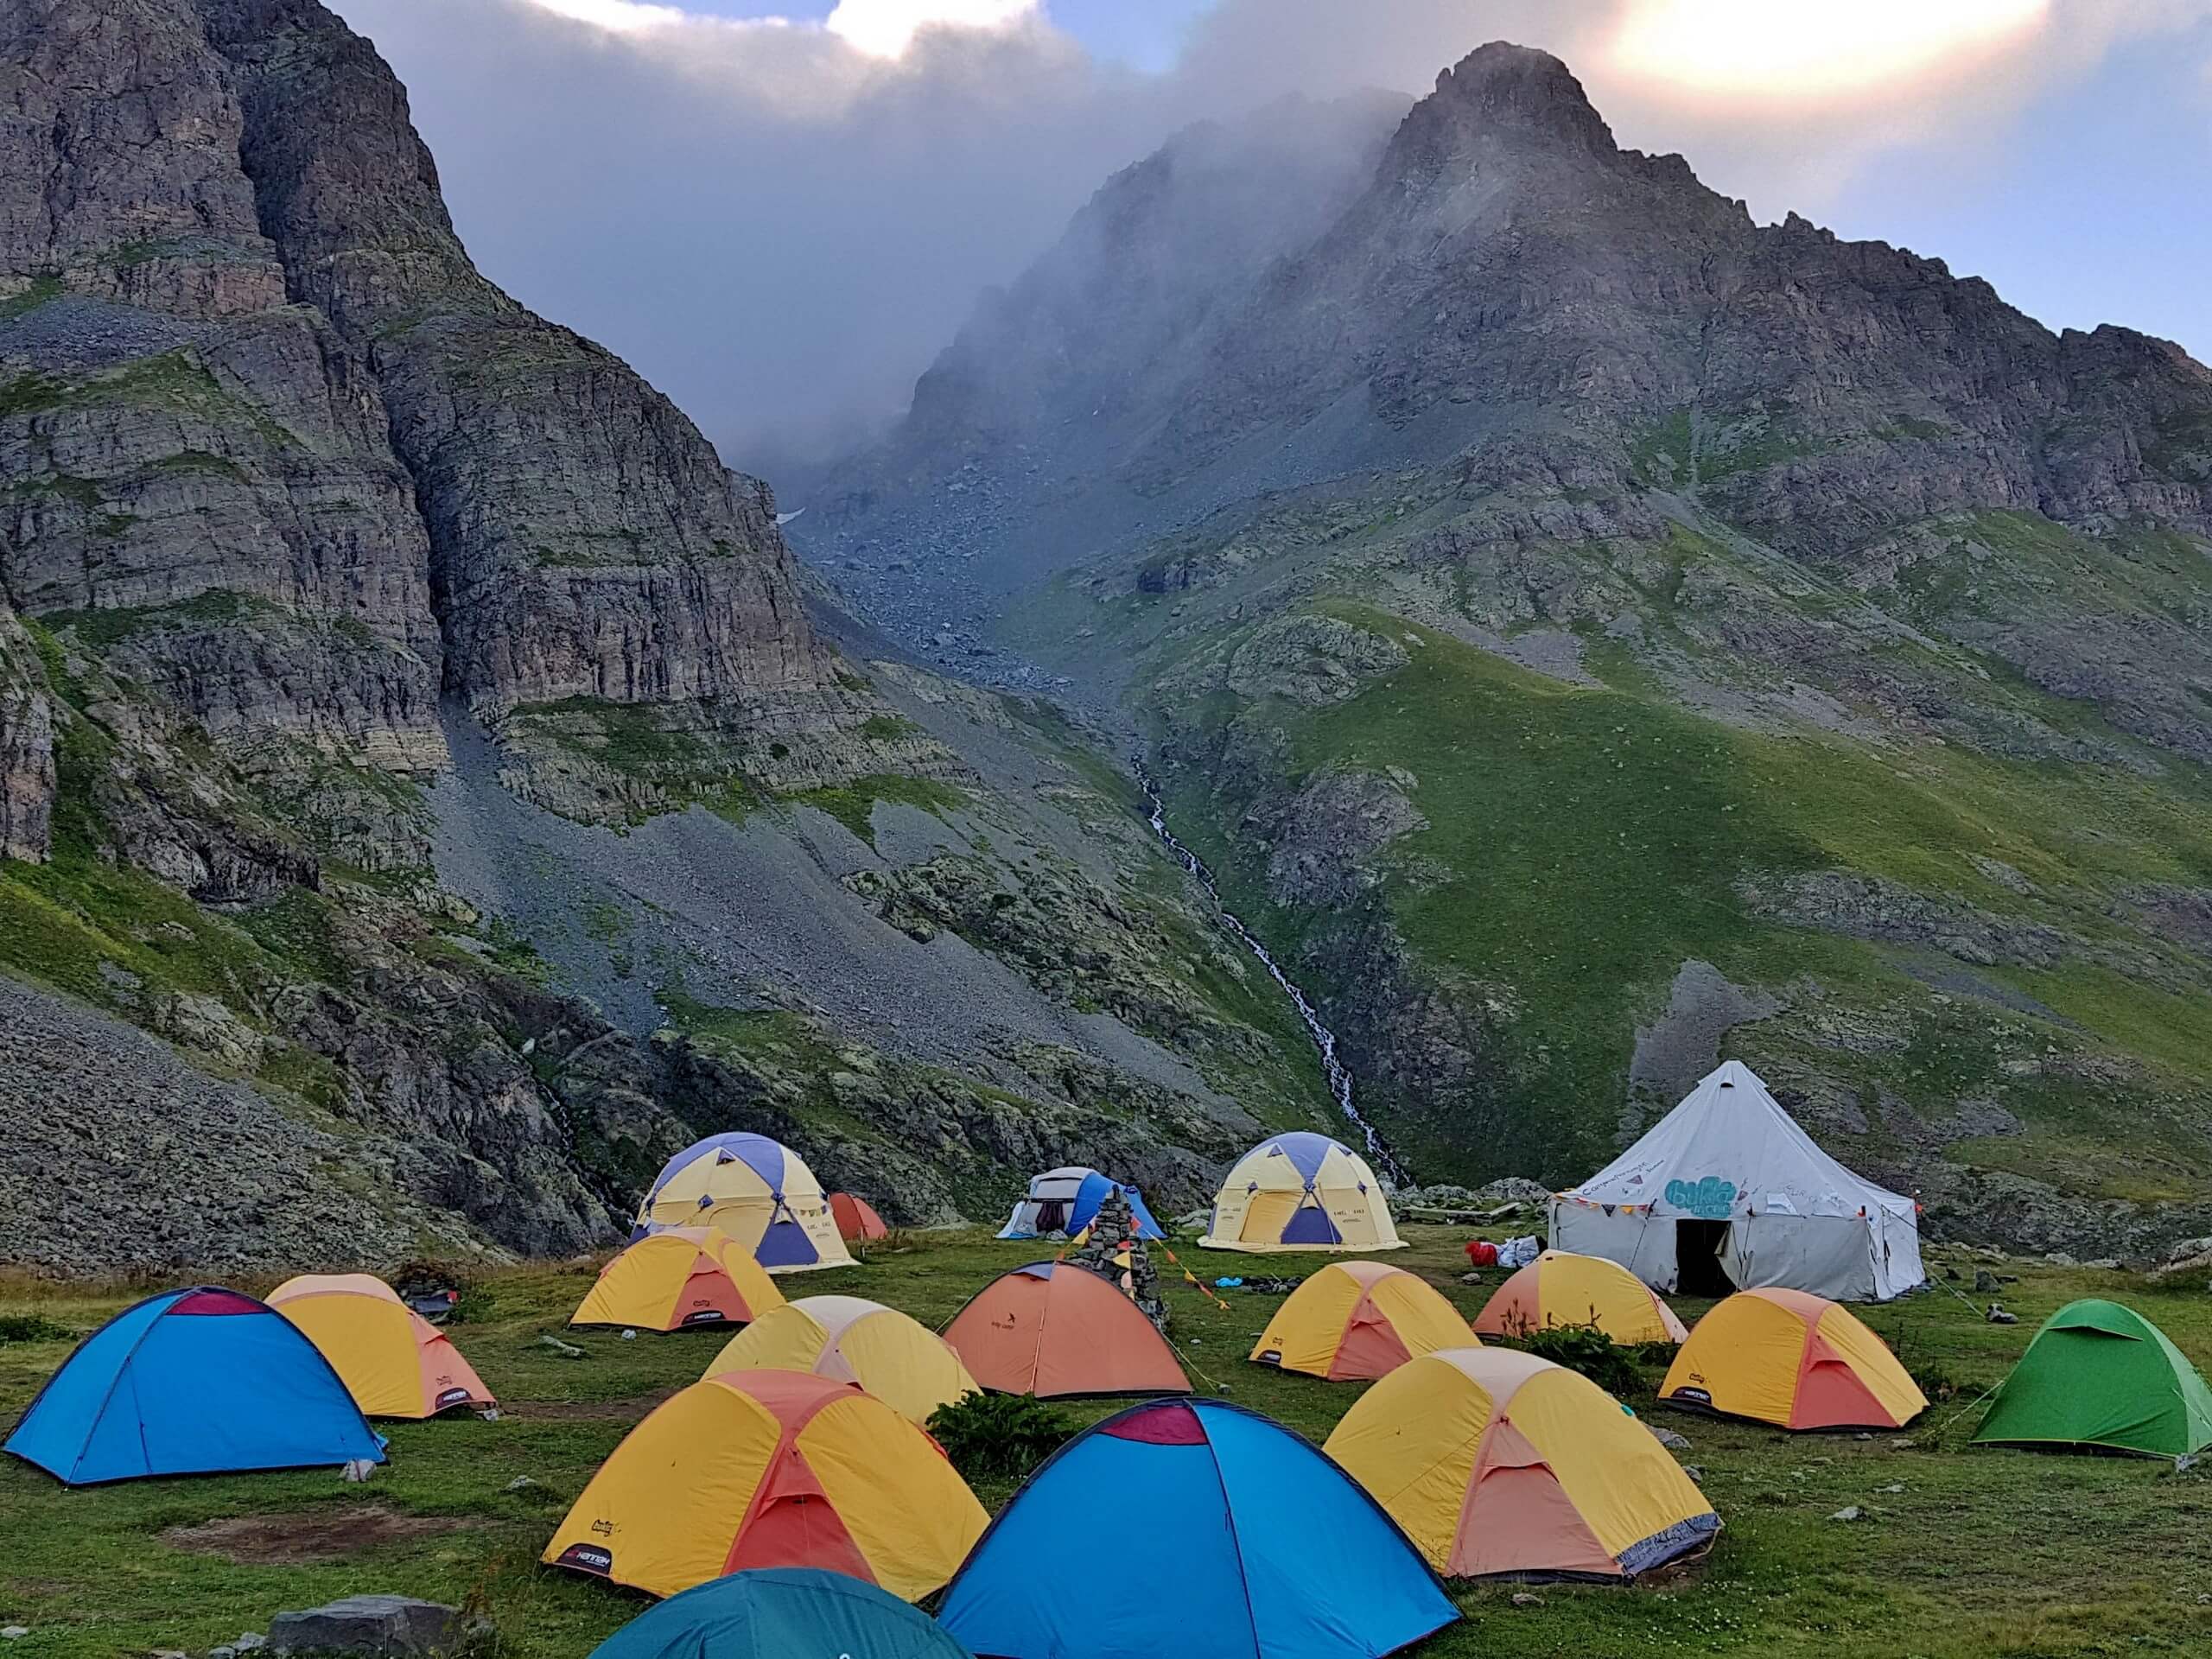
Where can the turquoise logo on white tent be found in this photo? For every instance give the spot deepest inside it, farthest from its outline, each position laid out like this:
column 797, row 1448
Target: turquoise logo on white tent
column 1709, row 1199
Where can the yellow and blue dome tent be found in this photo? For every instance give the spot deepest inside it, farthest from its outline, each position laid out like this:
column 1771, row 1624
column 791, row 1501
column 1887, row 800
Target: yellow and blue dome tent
column 196, row 1382
column 901, row 1362
column 1498, row 1463
column 1301, row 1192
column 1356, row 1320
column 675, row 1280
column 772, row 1469
column 759, row 1191
column 1275, row 1552
column 394, row 1362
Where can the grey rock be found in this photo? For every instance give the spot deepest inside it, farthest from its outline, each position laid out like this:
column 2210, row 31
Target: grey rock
column 26, row 746
column 382, row 1625
column 1668, row 1438
column 1850, row 1512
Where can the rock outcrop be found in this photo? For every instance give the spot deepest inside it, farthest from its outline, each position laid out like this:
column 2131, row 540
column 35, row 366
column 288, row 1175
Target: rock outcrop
column 26, row 747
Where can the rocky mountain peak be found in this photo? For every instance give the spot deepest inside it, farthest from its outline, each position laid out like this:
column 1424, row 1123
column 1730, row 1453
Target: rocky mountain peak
column 1503, row 93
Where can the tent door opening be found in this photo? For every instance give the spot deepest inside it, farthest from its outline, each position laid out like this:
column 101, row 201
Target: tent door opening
column 1698, row 1271
column 1052, row 1216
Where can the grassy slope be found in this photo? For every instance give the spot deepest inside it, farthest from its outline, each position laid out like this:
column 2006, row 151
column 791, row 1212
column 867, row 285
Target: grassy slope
column 1984, row 1553
column 1597, row 837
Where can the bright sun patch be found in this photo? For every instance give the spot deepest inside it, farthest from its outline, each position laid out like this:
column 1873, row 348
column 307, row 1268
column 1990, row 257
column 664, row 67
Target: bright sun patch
column 1811, row 48
column 885, row 29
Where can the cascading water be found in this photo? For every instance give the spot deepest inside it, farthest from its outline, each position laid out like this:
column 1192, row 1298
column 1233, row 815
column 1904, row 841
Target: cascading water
column 1325, row 1040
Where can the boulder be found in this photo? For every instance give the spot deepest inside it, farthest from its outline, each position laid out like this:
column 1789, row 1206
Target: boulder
column 377, row 1625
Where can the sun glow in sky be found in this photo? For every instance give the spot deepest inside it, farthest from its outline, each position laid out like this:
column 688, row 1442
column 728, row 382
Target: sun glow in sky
column 1790, row 48
column 881, row 29
column 885, row 29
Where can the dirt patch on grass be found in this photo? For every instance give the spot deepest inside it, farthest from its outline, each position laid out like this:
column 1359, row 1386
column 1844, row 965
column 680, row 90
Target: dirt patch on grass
column 635, row 1408
column 302, row 1536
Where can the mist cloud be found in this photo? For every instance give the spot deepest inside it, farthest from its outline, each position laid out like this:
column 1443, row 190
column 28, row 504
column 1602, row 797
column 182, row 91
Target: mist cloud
column 780, row 223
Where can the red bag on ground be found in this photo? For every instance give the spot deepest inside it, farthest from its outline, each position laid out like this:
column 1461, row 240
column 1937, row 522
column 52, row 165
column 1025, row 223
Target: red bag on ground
column 1481, row 1253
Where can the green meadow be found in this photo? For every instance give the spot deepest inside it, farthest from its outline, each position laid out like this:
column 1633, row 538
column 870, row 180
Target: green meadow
column 1960, row 1554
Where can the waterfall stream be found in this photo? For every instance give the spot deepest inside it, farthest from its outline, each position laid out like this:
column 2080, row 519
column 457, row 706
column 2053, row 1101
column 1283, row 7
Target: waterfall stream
column 1325, row 1040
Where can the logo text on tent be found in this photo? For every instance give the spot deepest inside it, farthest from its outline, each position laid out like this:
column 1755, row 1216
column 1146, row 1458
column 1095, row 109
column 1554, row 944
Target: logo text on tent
column 1711, row 1199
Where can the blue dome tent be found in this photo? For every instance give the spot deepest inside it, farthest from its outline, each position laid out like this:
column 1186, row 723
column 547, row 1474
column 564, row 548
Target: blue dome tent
column 193, row 1382
column 1066, row 1201
column 782, row 1612
column 1271, row 1549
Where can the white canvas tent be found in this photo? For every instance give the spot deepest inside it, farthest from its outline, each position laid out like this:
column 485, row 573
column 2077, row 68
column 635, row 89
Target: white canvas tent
column 1728, row 1177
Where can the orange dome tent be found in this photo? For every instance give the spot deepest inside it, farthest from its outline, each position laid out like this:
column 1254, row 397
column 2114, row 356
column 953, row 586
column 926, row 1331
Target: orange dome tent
column 1790, row 1358
column 684, row 1276
column 393, row 1362
column 754, row 1469
column 1499, row 1464
column 1560, row 1288
column 1053, row 1329
column 1359, row 1319
column 856, row 1217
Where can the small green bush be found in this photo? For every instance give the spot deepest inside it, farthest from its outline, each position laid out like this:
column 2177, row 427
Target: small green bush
column 1003, row 1435
column 31, row 1327
column 1586, row 1349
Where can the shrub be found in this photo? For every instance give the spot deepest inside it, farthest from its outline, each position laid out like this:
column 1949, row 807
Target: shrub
column 1006, row 1435
column 32, row 1327
column 1586, row 1349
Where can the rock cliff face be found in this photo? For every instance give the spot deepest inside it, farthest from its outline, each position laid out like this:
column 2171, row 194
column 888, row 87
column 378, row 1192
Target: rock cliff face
column 1582, row 624
column 347, row 610
column 26, row 749
column 265, row 419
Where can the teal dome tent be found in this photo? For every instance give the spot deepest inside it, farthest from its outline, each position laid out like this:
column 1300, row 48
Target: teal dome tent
column 784, row 1613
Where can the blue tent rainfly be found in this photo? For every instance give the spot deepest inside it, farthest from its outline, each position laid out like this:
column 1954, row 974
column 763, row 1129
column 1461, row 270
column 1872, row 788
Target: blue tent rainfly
column 1253, row 1542
column 193, row 1382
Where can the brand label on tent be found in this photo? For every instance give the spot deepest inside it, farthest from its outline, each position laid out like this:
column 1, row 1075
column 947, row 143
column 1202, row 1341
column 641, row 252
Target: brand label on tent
column 588, row 1558
column 1710, row 1199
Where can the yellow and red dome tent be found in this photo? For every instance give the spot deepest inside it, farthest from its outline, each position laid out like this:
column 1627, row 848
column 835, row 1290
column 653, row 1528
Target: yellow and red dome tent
column 756, row 1469
column 1561, row 1288
column 1359, row 1319
column 902, row 1363
column 393, row 1362
column 1301, row 1192
column 684, row 1276
column 759, row 1191
column 1500, row 1464
column 1056, row 1329
column 856, row 1217
column 1790, row 1358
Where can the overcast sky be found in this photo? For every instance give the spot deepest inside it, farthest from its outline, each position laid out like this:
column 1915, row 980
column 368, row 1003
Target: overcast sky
column 780, row 213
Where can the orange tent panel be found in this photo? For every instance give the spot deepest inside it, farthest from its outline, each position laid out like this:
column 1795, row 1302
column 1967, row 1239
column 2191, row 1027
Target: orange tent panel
column 856, row 1217
column 1056, row 1329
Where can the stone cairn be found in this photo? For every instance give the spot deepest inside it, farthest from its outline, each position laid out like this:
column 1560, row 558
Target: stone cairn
column 1115, row 1248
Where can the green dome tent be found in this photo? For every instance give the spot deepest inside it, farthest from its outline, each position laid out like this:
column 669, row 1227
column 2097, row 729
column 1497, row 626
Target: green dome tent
column 2100, row 1375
